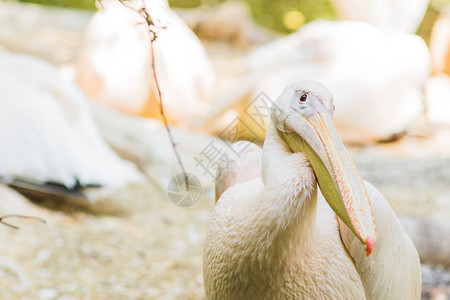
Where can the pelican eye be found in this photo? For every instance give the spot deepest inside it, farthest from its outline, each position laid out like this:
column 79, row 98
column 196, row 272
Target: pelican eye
column 303, row 97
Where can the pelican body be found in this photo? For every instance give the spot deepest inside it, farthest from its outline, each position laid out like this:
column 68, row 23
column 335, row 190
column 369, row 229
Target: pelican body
column 48, row 133
column 308, row 226
column 377, row 78
column 115, row 60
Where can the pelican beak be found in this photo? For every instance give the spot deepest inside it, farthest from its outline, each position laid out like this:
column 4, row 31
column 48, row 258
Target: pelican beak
column 338, row 178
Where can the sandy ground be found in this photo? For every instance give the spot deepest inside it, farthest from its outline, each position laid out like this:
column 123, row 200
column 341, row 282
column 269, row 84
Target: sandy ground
column 152, row 253
column 154, row 249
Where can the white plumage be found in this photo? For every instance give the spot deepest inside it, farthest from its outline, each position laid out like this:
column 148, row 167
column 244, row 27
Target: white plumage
column 47, row 131
column 276, row 237
column 377, row 79
column 115, row 62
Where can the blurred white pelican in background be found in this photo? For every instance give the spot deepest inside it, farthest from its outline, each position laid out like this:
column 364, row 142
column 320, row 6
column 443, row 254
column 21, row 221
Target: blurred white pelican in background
column 47, row 131
column 390, row 15
column 440, row 42
column 115, row 62
column 377, row 78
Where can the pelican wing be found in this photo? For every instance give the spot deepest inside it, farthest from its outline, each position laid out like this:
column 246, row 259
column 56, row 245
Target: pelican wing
column 393, row 270
column 238, row 184
column 47, row 130
column 242, row 163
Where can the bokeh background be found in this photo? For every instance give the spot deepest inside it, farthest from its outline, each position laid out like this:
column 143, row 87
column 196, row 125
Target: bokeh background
column 97, row 168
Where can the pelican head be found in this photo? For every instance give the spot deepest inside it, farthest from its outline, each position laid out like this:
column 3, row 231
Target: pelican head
column 303, row 118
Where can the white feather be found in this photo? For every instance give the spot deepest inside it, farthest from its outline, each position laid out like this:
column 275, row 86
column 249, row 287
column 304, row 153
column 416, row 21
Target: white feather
column 47, row 132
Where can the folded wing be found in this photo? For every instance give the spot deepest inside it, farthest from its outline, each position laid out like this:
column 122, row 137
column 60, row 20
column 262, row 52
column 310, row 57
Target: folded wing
column 240, row 164
column 393, row 270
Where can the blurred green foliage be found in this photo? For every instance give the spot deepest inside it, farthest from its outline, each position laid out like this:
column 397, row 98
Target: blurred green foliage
column 79, row 4
column 268, row 13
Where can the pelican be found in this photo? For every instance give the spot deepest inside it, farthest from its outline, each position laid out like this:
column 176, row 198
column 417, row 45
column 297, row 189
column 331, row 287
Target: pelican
column 48, row 133
column 377, row 79
column 278, row 236
column 114, row 66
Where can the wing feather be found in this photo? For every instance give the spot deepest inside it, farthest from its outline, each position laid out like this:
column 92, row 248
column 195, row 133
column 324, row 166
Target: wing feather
column 242, row 163
column 393, row 269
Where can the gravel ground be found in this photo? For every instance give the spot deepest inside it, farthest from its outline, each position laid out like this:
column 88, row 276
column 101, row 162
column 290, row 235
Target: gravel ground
column 153, row 250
